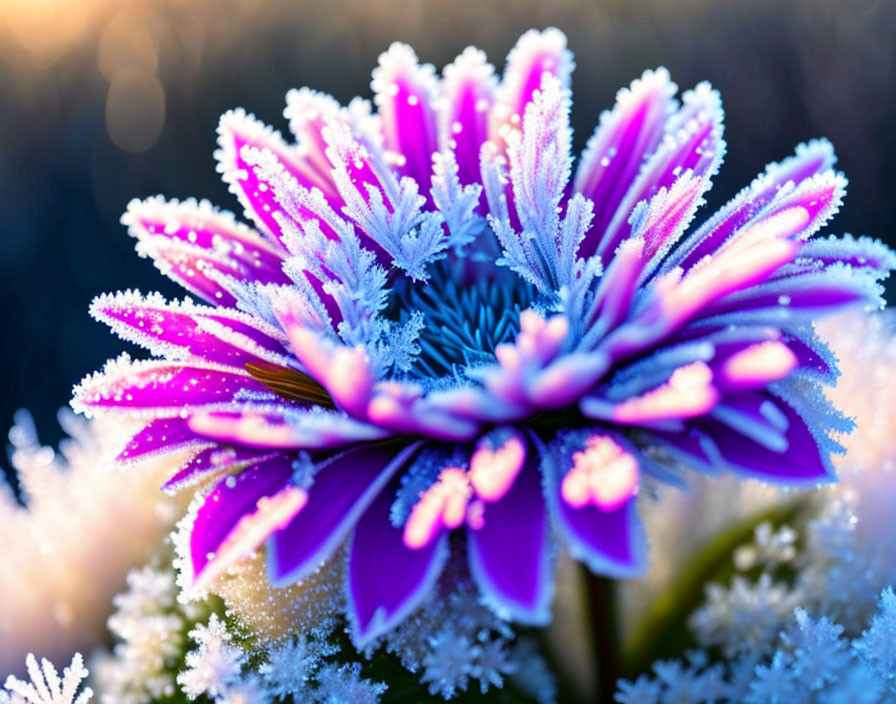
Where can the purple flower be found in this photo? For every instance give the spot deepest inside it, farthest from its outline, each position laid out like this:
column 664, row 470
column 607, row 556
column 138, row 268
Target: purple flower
column 438, row 327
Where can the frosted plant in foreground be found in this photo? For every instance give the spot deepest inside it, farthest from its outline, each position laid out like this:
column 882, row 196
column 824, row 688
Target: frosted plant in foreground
column 149, row 626
column 437, row 325
column 811, row 662
column 787, row 634
column 67, row 549
column 45, row 686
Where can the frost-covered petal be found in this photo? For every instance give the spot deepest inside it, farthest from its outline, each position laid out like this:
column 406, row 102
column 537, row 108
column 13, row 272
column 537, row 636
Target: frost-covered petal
column 159, row 436
column 624, row 139
column 163, row 388
column 279, row 427
column 810, row 160
column 211, row 461
column 386, row 579
column 240, row 513
column 802, row 458
column 468, row 88
column 239, row 133
column 535, row 54
column 185, row 330
column 509, row 551
column 343, row 488
column 405, row 93
column 611, row 541
column 195, row 244
column 693, row 142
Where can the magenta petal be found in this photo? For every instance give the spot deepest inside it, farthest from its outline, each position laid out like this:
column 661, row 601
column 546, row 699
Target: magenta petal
column 162, row 387
column 623, row 141
column 468, row 86
column 343, row 489
column 192, row 243
column 695, row 143
column 231, row 500
column 182, row 329
column 284, row 428
column 240, row 134
column 405, row 95
column 211, row 460
column 810, row 159
column 159, row 436
column 608, row 542
column 534, row 54
column 804, row 461
column 386, row 580
column 510, row 553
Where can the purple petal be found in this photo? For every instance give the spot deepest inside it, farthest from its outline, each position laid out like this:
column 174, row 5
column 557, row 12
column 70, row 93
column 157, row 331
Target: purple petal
column 343, row 489
column 192, row 243
column 691, row 448
column 468, row 86
column 386, row 580
column 406, row 93
column 534, row 54
column 608, row 542
column 159, row 436
column 162, row 388
column 803, row 461
column 694, row 142
column 309, row 112
column 177, row 330
column 674, row 300
column 816, row 293
column 239, row 135
column 230, row 503
column 509, row 552
column 620, row 145
column 283, row 427
column 210, row 461
column 810, row 160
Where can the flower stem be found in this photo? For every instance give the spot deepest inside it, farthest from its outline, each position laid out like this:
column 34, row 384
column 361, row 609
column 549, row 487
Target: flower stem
column 605, row 634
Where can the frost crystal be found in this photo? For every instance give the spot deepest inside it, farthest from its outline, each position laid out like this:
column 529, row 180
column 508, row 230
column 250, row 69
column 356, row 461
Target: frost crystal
column 45, row 686
column 214, row 665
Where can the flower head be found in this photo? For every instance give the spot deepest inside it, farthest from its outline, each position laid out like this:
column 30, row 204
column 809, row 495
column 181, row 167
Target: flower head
column 440, row 324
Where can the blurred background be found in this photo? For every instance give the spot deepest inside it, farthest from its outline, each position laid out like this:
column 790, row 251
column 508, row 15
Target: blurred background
column 105, row 100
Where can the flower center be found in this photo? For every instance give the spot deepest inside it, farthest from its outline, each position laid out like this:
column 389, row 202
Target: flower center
column 469, row 307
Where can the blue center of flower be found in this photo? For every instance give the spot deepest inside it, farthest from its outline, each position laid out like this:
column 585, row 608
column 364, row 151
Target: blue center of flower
column 469, row 307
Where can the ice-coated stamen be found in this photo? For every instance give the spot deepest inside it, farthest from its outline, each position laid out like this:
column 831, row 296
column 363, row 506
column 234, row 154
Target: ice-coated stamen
column 602, row 475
